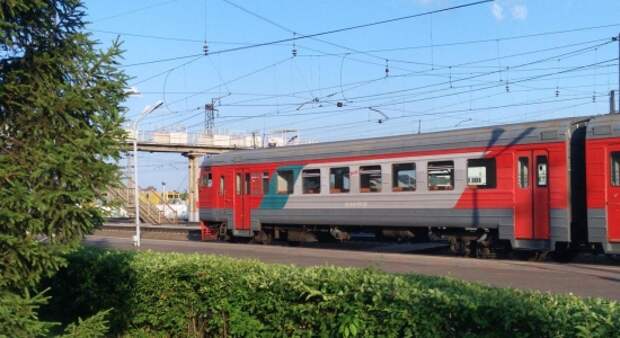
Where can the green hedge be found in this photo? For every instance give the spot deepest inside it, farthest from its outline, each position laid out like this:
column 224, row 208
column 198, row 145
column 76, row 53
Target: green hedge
column 164, row 294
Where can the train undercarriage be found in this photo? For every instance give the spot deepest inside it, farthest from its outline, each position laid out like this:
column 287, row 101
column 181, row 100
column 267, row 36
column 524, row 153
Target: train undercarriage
column 474, row 242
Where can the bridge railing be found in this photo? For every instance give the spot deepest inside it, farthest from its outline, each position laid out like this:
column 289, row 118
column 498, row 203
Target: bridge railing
column 198, row 139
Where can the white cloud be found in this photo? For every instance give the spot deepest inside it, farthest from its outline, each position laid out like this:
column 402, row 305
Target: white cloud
column 498, row 11
column 519, row 12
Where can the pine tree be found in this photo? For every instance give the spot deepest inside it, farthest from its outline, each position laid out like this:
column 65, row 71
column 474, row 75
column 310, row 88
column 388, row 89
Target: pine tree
column 60, row 132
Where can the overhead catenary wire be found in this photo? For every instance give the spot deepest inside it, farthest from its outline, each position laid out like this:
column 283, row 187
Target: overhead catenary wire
column 444, row 114
column 470, row 62
column 133, row 11
column 309, row 89
column 452, row 81
column 167, row 70
column 338, row 111
column 441, row 96
column 355, row 27
column 454, row 73
column 291, row 31
column 562, row 55
column 308, row 36
column 243, row 76
column 479, row 41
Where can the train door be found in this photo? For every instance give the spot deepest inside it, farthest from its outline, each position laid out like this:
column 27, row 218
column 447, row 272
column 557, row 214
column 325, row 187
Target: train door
column 532, row 195
column 242, row 200
column 613, row 193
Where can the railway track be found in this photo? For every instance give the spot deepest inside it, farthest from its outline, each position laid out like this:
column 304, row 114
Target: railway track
column 359, row 242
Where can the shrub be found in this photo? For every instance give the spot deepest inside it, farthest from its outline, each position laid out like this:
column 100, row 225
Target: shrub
column 167, row 294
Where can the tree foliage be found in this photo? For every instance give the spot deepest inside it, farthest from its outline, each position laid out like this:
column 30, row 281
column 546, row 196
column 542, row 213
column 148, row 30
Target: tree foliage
column 60, row 117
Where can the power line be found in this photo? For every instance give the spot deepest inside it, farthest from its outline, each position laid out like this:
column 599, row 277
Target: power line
column 349, row 28
column 483, row 74
column 494, row 86
column 154, row 37
column 366, row 82
column 452, row 81
column 133, row 11
column 516, row 81
column 167, row 70
column 444, row 113
column 468, row 42
column 275, row 64
column 307, row 36
column 288, row 30
column 175, row 58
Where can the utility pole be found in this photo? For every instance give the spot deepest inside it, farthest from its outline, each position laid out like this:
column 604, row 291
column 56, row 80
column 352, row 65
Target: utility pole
column 419, row 126
column 210, row 117
column 617, row 39
column 210, row 114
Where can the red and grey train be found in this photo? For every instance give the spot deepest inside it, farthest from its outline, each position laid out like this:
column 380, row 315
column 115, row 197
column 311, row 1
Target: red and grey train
column 540, row 186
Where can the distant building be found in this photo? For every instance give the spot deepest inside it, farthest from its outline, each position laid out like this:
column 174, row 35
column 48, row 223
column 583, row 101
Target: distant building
column 156, row 197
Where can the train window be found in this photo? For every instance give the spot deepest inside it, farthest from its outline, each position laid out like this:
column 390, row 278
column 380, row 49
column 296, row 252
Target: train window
column 441, row 175
column 265, row 183
column 285, row 182
column 221, row 185
column 248, row 184
column 311, row 181
column 339, row 180
column 370, row 178
column 207, row 180
column 481, row 173
column 615, row 168
column 403, row 177
column 523, row 172
column 541, row 171
column 238, row 184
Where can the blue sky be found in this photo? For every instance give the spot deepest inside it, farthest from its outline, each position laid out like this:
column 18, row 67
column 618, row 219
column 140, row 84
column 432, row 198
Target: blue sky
column 440, row 72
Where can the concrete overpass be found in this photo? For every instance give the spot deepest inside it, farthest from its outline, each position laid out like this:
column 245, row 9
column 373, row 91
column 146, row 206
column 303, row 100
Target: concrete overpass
column 194, row 147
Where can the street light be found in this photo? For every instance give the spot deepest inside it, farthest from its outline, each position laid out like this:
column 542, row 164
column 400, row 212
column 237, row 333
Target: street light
column 147, row 110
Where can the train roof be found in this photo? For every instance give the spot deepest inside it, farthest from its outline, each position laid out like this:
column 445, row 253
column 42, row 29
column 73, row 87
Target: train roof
column 507, row 134
column 604, row 126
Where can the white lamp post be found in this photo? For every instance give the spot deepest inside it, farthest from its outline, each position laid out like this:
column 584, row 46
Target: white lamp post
column 147, row 110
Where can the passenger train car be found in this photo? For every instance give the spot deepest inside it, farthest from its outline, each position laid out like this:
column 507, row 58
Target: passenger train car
column 542, row 186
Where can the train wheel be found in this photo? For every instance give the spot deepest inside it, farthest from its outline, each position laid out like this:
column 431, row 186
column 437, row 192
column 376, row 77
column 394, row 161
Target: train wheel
column 483, row 250
column 540, row 256
column 456, row 245
column 462, row 247
column 262, row 237
column 223, row 234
